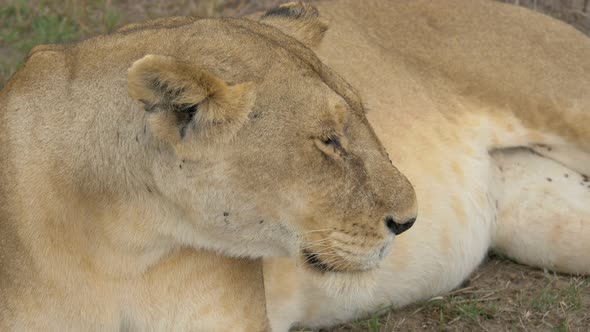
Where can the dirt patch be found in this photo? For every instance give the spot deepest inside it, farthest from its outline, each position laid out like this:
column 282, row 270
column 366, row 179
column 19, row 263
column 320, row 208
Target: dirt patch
column 500, row 296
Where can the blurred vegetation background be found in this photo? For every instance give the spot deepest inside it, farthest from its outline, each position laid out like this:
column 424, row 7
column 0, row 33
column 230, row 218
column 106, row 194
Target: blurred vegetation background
column 24, row 24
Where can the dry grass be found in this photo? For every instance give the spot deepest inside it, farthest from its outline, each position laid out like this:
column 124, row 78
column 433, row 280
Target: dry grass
column 500, row 296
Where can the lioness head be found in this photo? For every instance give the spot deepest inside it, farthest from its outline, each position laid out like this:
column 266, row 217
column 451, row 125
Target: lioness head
column 270, row 152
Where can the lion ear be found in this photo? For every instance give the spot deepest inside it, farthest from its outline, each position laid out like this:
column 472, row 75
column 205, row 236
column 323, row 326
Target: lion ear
column 185, row 101
column 299, row 20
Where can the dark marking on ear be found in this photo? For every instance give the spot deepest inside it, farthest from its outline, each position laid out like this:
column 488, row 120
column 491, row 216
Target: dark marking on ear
column 163, row 88
column 184, row 116
column 225, row 214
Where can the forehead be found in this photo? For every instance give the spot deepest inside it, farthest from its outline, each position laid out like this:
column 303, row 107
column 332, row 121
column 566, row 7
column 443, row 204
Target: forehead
column 305, row 60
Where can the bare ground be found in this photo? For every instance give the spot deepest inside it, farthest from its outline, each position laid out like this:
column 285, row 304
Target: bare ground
column 500, row 296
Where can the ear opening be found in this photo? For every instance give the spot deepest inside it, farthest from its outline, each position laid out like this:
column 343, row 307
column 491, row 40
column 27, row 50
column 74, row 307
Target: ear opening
column 299, row 20
column 184, row 100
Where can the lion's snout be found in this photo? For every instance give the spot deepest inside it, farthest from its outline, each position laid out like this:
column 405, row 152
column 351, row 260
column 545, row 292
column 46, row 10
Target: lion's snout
column 397, row 227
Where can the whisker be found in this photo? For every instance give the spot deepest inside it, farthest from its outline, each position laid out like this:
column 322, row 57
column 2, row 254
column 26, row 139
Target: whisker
column 319, row 230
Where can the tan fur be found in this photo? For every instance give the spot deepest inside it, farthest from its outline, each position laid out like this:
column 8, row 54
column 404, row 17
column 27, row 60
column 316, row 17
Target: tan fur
column 135, row 165
column 451, row 86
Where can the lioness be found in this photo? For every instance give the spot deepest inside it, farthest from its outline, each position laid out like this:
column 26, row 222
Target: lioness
column 460, row 93
column 232, row 135
column 124, row 158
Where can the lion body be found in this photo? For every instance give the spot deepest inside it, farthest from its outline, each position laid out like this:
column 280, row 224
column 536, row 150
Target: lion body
column 451, row 87
column 108, row 211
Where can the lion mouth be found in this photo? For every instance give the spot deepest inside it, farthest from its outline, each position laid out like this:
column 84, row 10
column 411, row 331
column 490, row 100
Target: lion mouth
column 313, row 260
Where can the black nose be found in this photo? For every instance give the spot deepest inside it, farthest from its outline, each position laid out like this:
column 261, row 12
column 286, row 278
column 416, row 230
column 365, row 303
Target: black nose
column 398, row 228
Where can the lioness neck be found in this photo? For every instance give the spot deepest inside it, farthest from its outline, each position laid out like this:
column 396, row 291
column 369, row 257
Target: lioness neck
column 85, row 199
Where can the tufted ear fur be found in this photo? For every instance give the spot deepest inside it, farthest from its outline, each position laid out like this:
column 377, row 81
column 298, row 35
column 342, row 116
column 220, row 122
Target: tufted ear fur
column 299, row 20
column 185, row 102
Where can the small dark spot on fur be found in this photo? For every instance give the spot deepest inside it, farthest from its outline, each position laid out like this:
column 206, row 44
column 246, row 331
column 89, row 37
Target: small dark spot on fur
column 180, row 166
column 261, row 221
column 585, row 178
column 225, row 214
column 496, row 204
column 549, row 179
column 149, row 189
column 566, row 175
column 137, row 138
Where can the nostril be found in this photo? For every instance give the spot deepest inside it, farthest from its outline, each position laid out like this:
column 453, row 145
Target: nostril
column 397, row 228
